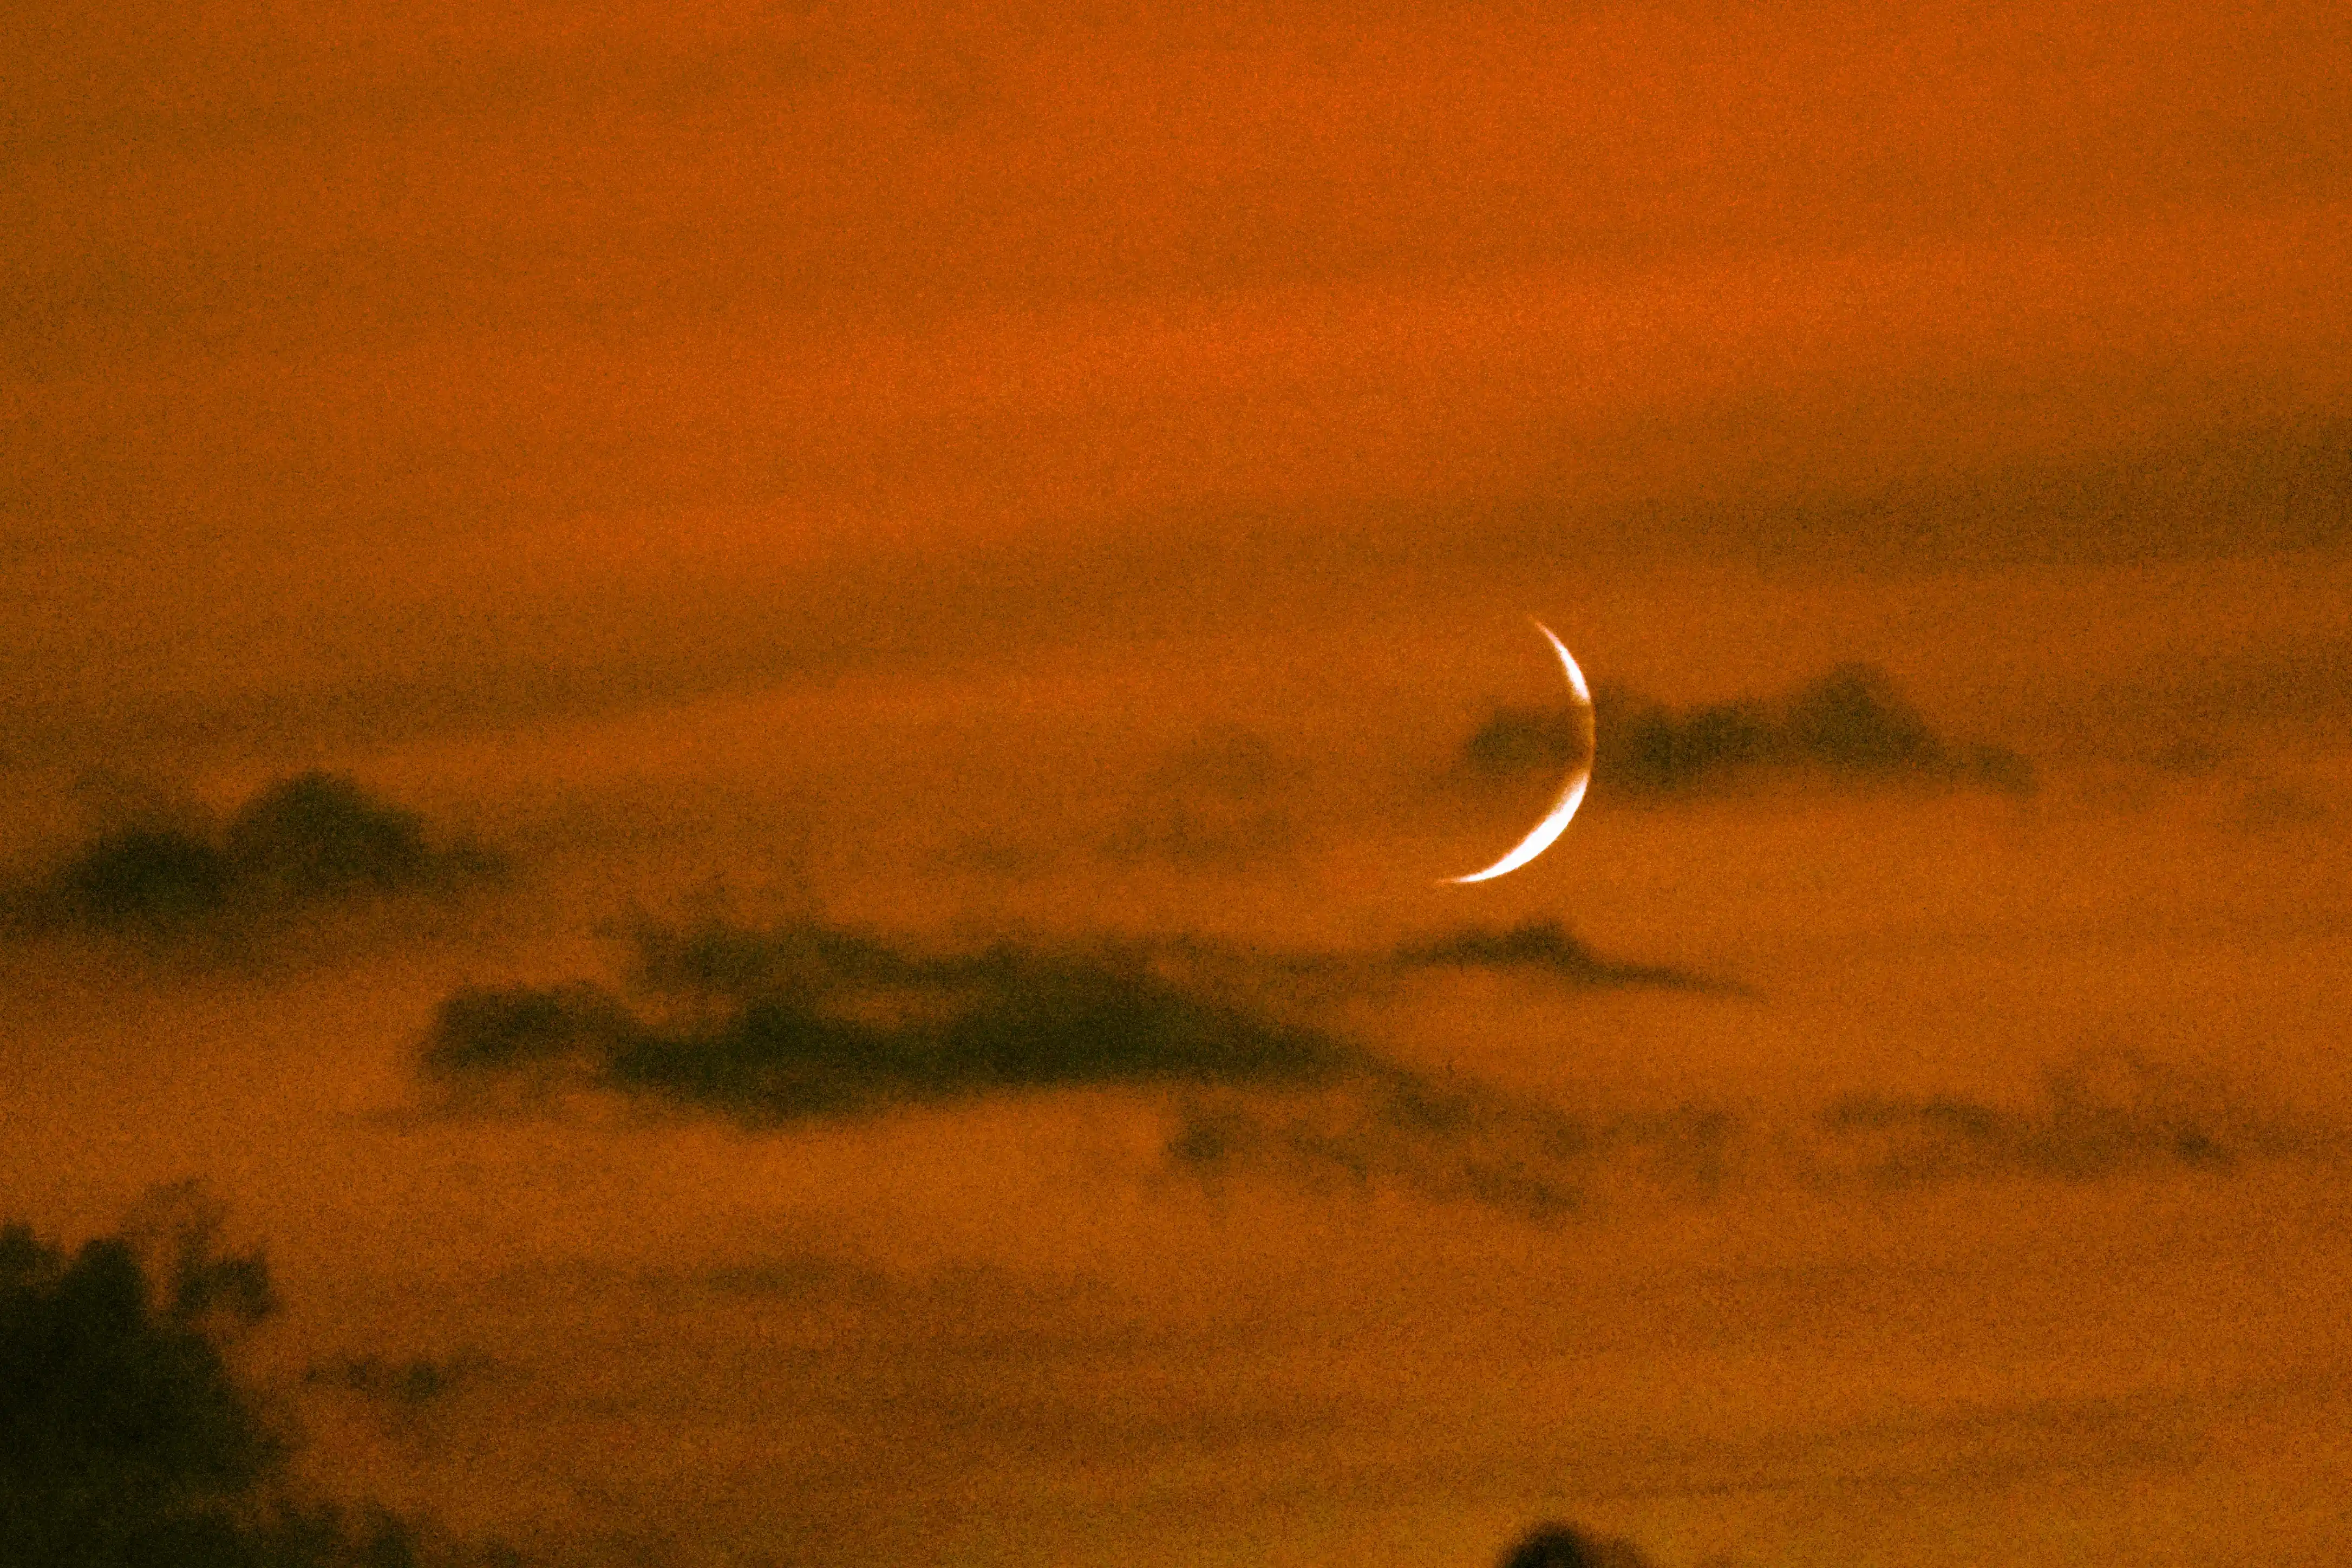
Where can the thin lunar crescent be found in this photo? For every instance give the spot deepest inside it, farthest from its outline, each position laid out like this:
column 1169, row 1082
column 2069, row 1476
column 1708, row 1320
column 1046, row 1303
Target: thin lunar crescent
column 1571, row 794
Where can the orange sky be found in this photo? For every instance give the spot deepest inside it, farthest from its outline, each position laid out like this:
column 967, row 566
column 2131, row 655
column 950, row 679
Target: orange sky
column 877, row 458
column 333, row 339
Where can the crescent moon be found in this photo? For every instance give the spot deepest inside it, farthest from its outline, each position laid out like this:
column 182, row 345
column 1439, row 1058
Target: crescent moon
column 1571, row 794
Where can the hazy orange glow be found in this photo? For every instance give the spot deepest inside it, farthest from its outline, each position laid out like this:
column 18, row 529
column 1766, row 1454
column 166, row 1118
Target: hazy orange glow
column 1009, row 477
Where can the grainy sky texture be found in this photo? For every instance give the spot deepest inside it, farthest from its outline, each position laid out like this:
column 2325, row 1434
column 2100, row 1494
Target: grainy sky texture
column 855, row 331
column 1073, row 481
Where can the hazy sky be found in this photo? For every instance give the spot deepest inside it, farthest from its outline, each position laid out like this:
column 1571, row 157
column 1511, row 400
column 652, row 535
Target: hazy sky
column 345, row 353
column 1031, row 476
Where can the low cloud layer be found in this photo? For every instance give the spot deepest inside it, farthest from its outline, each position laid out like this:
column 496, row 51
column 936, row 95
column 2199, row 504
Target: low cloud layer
column 807, row 1019
column 810, row 1020
column 798, row 1021
column 2098, row 1116
column 1851, row 726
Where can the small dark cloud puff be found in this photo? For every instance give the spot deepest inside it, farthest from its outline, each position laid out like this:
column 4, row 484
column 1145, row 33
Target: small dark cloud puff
column 2276, row 809
column 299, row 845
column 1850, row 725
column 410, row 1384
column 125, row 1439
column 1545, row 947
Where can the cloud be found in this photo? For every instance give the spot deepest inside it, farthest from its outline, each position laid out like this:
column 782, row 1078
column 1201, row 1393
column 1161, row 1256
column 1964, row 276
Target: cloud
column 1546, row 947
column 807, row 1019
column 2278, row 808
column 410, row 1384
column 2099, row 1114
column 1453, row 1140
column 798, row 1021
column 2093, row 1117
column 1850, row 726
column 299, row 845
column 801, row 1018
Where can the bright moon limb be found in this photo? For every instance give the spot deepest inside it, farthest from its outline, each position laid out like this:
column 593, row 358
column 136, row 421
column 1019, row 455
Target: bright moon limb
column 1571, row 794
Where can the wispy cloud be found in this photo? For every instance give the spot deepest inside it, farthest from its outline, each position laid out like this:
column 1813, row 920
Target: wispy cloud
column 1851, row 726
column 2094, row 1117
column 808, row 1019
column 1545, row 947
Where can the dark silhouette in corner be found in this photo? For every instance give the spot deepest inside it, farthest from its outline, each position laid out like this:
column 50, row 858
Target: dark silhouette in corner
column 125, row 1442
column 1565, row 1546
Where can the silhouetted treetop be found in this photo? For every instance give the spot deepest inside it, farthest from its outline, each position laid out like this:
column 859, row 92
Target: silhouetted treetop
column 122, row 1437
column 1565, row 1546
column 126, row 1441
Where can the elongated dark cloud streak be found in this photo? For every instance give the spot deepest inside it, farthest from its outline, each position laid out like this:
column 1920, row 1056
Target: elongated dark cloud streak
column 2094, row 1117
column 1851, row 726
column 2097, row 1115
column 811, row 1019
column 1547, row 948
column 777, row 1025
